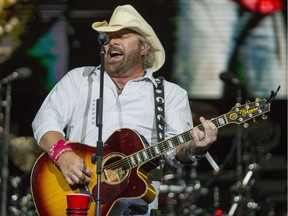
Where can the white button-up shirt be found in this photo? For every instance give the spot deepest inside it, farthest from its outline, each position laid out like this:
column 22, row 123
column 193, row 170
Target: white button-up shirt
column 71, row 106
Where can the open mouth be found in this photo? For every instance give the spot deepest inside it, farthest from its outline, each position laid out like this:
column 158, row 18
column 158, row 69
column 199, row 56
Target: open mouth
column 115, row 55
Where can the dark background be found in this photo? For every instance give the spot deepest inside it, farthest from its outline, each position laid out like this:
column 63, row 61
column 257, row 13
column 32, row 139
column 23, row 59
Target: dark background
column 263, row 143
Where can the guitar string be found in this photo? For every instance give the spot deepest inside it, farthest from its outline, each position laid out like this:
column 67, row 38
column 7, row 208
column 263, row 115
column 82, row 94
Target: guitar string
column 150, row 151
column 125, row 161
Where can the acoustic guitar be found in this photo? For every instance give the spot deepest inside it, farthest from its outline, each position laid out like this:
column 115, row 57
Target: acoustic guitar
column 126, row 165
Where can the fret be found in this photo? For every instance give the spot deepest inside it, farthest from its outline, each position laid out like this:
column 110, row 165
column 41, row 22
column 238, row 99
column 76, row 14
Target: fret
column 200, row 127
column 170, row 144
column 133, row 162
column 221, row 121
column 165, row 146
column 138, row 158
column 142, row 155
column 129, row 163
column 149, row 152
column 180, row 138
column 175, row 141
column 160, row 147
column 135, row 158
column 190, row 134
column 187, row 137
column 145, row 156
column 156, row 150
column 215, row 122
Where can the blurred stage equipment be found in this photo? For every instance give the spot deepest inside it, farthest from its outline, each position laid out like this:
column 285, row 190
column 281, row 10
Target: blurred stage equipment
column 14, row 18
column 180, row 192
column 20, row 73
column 5, row 130
column 23, row 152
column 242, row 199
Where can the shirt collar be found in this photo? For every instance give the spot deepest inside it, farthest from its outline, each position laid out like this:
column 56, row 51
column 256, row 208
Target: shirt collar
column 148, row 75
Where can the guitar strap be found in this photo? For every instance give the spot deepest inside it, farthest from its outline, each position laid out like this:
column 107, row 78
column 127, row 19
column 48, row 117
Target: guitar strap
column 159, row 108
column 160, row 122
column 166, row 168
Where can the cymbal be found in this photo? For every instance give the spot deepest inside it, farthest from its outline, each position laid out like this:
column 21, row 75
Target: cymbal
column 23, row 152
column 204, row 109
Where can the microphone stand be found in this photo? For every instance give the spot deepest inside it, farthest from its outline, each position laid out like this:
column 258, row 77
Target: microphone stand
column 98, row 158
column 235, row 81
column 5, row 152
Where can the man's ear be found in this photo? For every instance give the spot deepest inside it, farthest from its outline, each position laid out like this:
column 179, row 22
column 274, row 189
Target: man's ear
column 144, row 48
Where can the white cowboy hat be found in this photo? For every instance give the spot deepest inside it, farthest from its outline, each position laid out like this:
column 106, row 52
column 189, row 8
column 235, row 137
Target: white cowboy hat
column 126, row 17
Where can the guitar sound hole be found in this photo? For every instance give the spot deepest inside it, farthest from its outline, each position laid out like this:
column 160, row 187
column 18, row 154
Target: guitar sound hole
column 113, row 169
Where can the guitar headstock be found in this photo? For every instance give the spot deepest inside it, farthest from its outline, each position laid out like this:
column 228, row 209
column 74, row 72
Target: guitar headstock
column 242, row 113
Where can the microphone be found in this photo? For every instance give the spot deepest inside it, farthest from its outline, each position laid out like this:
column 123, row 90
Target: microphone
column 20, row 73
column 230, row 78
column 103, row 39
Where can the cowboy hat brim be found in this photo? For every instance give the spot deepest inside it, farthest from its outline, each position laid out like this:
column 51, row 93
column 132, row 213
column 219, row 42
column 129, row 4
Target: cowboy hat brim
column 137, row 24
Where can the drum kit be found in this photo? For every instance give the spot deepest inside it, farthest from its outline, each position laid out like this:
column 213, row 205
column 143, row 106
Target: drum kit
column 185, row 191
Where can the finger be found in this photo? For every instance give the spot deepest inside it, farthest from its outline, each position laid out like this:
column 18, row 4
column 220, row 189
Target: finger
column 201, row 135
column 198, row 135
column 69, row 181
column 80, row 177
column 86, row 170
column 74, row 179
column 210, row 128
column 207, row 124
column 83, row 179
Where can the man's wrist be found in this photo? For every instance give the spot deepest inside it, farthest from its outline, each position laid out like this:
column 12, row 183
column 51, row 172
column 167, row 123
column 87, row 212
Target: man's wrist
column 58, row 149
column 193, row 156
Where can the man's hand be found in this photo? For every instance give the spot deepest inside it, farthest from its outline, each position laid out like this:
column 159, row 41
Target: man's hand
column 203, row 139
column 74, row 169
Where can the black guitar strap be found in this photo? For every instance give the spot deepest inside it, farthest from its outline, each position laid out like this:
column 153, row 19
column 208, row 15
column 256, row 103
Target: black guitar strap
column 160, row 122
column 159, row 108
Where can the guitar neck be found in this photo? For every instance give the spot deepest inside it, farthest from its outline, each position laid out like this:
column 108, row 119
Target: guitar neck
column 159, row 149
column 237, row 115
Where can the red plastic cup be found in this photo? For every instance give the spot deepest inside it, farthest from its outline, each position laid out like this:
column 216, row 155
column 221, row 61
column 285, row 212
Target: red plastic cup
column 78, row 204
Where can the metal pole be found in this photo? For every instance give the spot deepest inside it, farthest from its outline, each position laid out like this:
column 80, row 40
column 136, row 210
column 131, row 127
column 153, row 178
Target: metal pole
column 5, row 152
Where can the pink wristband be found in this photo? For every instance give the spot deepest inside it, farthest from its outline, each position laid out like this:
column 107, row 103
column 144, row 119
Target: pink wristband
column 58, row 149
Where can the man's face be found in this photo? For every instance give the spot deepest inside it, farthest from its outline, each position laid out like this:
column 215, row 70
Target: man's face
column 123, row 53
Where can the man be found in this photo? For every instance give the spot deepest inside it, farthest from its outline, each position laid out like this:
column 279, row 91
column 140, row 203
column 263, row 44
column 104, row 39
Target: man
column 133, row 54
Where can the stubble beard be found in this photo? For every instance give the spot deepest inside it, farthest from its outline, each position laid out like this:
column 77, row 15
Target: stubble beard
column 121, row 67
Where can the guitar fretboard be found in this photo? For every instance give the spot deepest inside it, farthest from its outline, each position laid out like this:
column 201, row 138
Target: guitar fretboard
column 238, row 115
column 157, row 150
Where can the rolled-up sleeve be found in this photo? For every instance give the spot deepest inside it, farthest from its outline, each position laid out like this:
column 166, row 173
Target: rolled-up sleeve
column 178, row 116
column 56, row 110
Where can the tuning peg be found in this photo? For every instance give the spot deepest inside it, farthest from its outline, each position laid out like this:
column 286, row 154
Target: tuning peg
column 264, row 116
column 254, row 120
column 257, row 99
column 247, row 101
column 245, row 125
column 237, row 104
